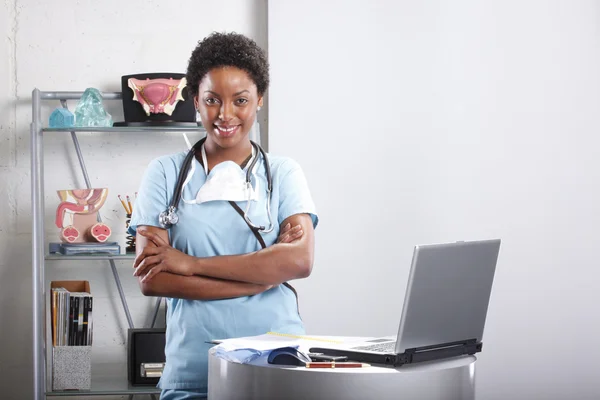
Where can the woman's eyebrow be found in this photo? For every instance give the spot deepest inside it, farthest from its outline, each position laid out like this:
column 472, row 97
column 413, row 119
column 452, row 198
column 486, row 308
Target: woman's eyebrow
column 235, row 94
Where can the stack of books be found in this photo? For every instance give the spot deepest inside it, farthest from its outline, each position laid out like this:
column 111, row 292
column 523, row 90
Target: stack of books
column 74, row 249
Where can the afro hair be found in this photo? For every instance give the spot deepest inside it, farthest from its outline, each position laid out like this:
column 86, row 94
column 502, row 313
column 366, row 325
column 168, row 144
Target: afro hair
column 227, row 50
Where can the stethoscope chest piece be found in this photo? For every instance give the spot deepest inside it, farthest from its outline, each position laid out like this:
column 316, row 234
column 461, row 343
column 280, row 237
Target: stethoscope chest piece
column 168, row 218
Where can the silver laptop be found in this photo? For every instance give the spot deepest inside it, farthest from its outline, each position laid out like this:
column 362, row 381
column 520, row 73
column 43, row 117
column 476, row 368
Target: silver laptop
column 445, row 306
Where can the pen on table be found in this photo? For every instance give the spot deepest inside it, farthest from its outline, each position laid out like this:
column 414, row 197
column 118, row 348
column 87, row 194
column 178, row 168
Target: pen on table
column 130, row 206
column 124, row 205
column 327, row 364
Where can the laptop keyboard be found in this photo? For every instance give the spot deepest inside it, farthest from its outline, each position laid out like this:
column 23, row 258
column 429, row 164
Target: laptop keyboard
column 388, row 347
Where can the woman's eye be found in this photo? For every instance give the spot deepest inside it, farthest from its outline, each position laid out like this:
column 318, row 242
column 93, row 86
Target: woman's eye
column 211, row 100
column 241, row 101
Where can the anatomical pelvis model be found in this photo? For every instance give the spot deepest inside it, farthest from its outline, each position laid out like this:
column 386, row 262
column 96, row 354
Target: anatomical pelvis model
column 77, row 215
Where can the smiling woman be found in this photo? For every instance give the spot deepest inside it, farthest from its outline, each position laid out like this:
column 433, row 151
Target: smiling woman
column 227, row 101
column 222, row 275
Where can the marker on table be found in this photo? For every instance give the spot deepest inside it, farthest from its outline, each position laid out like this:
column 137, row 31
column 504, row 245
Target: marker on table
column 325, row 364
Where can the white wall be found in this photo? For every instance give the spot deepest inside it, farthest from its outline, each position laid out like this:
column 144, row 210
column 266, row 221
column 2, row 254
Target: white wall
column 433, row 121
column 72, row 45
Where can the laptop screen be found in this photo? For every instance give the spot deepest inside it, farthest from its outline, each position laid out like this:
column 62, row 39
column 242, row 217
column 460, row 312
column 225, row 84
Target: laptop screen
column 448, row 293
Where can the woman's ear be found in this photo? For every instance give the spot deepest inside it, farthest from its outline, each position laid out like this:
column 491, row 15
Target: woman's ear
column 196, row 103
column 260, row 101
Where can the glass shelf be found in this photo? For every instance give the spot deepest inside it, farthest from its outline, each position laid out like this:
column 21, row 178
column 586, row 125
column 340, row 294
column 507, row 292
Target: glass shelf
column 129, row 129
column 108, row 380
column 90, row 257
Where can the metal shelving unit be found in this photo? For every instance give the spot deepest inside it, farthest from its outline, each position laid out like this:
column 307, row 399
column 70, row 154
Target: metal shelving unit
column 107, row 379
column 91, row 257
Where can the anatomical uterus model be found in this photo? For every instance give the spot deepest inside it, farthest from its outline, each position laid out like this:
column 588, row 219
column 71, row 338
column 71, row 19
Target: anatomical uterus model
column 77, row 215
column 157, row 95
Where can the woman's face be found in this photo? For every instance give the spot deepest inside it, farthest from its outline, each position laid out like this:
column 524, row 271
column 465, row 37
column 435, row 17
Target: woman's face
column 227, row 101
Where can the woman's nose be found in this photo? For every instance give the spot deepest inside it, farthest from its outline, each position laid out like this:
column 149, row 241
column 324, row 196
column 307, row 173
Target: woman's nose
column 226, row 112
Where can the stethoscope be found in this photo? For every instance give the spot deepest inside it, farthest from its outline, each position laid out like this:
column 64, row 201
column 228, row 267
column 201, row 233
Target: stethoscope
column 169, row 217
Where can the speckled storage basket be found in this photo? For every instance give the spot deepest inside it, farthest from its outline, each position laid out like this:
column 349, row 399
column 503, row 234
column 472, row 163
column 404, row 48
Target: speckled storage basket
column 72, row 368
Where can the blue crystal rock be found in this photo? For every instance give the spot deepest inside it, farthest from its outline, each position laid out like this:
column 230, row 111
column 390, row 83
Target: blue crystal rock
column 61, row 118
column 90, row 112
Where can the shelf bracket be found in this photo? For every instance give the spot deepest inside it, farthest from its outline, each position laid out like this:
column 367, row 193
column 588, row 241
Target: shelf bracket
column 112, row 262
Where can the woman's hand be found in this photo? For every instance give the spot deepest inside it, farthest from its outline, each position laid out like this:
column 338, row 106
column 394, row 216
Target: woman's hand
column 289, row 234
column 163, row 257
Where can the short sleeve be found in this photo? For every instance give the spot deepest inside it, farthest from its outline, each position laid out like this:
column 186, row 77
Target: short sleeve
column 151, row 199
column 294, row 194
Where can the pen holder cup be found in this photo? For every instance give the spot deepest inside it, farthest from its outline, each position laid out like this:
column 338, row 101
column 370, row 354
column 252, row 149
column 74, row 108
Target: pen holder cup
column 129, row 239
column 71, row 368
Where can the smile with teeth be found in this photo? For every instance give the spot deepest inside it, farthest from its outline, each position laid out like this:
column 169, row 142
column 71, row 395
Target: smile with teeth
column 227, row 130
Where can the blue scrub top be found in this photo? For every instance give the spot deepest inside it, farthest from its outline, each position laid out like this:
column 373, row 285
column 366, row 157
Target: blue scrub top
column 216, row 229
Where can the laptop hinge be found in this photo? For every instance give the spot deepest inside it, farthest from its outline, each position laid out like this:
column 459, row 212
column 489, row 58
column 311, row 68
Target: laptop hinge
column 439, row 351
column 413, row 355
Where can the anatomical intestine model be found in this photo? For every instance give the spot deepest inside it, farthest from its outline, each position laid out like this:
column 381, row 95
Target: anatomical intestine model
column 77, row 215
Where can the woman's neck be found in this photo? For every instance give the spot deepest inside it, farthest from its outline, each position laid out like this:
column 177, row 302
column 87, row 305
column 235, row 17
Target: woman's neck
column 216, row 155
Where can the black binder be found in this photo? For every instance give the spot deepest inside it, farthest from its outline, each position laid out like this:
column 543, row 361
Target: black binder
column 410, row 356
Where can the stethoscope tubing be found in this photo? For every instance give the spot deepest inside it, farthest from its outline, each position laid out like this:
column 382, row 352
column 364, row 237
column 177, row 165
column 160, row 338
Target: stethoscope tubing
column 169, row 217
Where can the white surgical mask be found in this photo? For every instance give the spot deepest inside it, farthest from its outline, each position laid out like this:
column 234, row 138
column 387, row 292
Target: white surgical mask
column 227, row 181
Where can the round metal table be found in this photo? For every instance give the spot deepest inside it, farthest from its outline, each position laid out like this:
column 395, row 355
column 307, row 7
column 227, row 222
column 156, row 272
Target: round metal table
column 451, row 379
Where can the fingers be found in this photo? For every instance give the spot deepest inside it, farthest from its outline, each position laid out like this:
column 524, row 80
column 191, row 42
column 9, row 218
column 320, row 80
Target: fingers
column 285, row 228
column 152, row 273
column 282, row 232
column 296, row 235
column 153, row 237
column 147, row 263
column 148, row 251
column 291, row 235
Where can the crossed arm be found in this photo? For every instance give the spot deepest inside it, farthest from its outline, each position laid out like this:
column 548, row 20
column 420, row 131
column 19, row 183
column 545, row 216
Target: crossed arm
column 165, row 271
